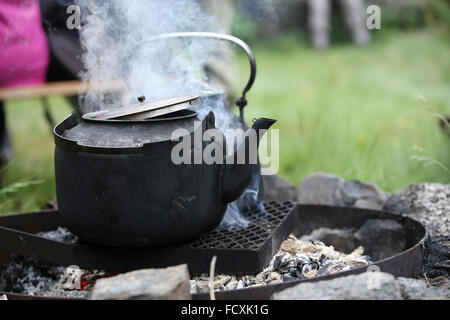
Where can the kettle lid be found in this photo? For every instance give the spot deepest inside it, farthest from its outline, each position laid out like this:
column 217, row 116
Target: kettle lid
column 145, row 110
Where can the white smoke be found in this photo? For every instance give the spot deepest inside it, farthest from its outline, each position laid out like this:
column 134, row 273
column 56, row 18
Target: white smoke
column 117, row 40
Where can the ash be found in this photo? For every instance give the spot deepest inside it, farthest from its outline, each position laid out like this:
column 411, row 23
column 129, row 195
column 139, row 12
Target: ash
column 61, row 235
column 295, row 260
column 24, row 275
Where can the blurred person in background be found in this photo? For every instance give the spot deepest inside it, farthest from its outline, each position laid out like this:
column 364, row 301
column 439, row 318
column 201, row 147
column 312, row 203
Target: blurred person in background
column 24, row 55
column 319, row 21
column 64, row 43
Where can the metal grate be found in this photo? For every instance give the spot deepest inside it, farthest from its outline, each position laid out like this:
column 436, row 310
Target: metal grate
column 238, row 250
column 263, row 222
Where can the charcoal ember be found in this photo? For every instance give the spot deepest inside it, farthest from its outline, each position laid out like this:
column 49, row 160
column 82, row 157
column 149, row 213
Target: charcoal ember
column 289, row 278
column 331, row 267
column 25, row 275
column 262, row 277
column 200, row 285
column 232, row 284
column 283, row 263
column 382, row 238
column 29, row 276
column 437, row 257
column 314, row 265
column 71, row 279
column 277, row 262
column 306, row 270
column 301, row 260
column 294, row 261
column 241, row 284
column 250, row 282
column 221, row 280
column 293, row 272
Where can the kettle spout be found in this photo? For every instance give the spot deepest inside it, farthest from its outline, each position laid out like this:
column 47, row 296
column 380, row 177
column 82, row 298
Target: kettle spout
column 241, row 165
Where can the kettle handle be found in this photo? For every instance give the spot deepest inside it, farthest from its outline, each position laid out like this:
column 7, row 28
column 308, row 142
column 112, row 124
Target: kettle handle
column 242, row 101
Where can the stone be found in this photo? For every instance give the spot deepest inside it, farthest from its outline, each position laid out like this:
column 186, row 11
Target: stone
column 381, row 238
column 360, row 194
column 278, row 189
column 171, row 283
column 354, row 287
column 328, row 189
column 320, row 188
column 414, row 289
column 3, row 298
column 363, row 286
column 427, row 202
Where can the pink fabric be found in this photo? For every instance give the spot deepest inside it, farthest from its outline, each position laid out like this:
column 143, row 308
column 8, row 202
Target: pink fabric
column 24, row 53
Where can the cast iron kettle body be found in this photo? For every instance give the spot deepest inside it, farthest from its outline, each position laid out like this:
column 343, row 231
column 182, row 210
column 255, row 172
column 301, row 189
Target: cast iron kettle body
column 117, row 185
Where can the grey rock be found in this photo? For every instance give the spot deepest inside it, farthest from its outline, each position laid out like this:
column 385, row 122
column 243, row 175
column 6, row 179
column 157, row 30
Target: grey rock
column 360, row 194
column 171, row 283
column 360, row 287
column 427, row 202
column 278, row 189
column 320, row 188
column 328, row 189
column 414, row 289
column 381, row 238
column 3, row 298
column 355, row 287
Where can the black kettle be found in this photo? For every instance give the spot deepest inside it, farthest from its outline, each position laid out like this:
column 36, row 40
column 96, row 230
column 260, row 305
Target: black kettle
column 118, row 184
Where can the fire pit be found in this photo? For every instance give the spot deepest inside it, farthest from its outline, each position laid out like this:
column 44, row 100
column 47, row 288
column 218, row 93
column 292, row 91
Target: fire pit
column 249, row 256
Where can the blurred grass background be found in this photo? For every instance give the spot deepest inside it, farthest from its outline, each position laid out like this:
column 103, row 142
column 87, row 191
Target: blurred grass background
column 355, row 112
column 358, row 112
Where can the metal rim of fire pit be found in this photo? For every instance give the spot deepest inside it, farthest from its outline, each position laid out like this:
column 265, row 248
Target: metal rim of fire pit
column 407, row 263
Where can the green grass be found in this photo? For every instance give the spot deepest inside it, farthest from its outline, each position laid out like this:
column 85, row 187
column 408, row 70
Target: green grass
column 356, row 112
column 33, row 155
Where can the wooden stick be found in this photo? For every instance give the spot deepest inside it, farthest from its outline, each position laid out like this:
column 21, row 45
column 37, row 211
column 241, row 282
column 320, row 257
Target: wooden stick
column 212, row 269
column 63, row 88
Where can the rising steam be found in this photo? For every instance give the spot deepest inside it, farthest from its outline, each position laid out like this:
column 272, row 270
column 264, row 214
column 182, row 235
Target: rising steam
column 116, row 38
